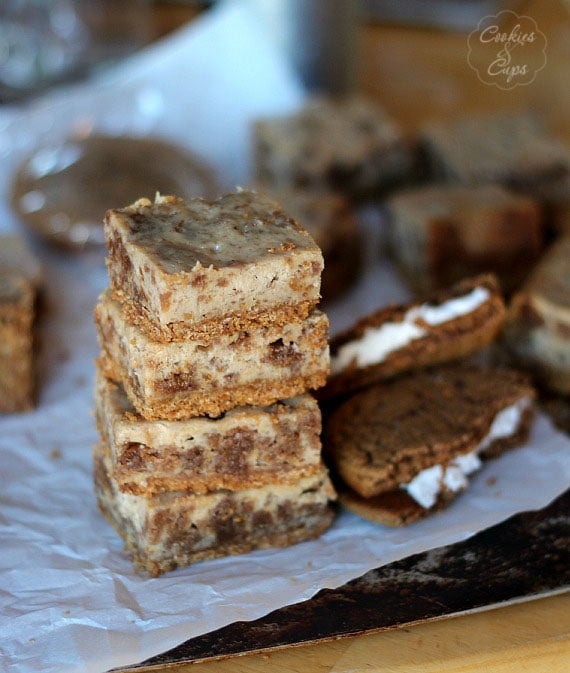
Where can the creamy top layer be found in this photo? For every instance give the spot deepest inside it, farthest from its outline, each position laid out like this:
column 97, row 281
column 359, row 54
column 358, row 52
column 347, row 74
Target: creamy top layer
column 239, row 228
column 426, row 486
column 378, row 342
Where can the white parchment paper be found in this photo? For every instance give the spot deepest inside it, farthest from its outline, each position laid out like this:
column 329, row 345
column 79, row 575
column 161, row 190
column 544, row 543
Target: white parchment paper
column 69, row 599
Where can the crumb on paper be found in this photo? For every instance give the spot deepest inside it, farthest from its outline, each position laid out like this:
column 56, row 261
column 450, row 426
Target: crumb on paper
column 79, row 381
column 55, row 453
column 491, row 481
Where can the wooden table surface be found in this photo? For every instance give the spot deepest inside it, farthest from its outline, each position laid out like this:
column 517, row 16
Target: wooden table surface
column 420, row 74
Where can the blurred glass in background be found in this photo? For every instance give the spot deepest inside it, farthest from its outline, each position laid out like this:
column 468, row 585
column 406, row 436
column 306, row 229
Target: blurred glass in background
column 43, row 42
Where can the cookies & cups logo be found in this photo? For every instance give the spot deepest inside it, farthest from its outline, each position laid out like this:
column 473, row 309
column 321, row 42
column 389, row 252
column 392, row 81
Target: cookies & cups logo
column 507, row 50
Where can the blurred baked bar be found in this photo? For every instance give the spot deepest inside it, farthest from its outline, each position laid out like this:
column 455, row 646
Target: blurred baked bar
column 246, row 447
column 537, row 331
column 210, row 268
column 555, row 199
column 439, row 234
column 351, row 146
column 330, row 219
column 513, row 149
column 210, row 375
column 174, row 529
column 19, row 281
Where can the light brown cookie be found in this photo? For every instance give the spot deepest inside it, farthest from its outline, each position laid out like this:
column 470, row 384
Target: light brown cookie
column 448, row 325
column 403, row 448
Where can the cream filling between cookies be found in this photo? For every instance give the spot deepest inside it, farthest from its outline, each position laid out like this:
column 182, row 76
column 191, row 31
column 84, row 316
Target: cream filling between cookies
column 378, row 342
column 426, row 486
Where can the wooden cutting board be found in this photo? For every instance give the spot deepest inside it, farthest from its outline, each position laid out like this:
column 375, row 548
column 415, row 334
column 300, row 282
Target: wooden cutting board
column 528, row 637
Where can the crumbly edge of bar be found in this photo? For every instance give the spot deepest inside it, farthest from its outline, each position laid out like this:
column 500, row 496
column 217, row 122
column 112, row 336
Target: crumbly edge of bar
column 449, row 341
column 303, row 527
column 129, row 480
column 310, row 529
column 200, row 486
column 208, row 330
column 281, row 351
column 396, row 508
column 214, row 403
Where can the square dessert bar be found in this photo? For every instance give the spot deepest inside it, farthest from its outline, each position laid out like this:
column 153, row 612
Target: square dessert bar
column 209, row 268
column 174, row 529
column 16, row 343
column 440, row 234
column 19, row 277
column 513, row 149
column 207, row 376
column 244, row 448
column 351, row 146
column 537, row 331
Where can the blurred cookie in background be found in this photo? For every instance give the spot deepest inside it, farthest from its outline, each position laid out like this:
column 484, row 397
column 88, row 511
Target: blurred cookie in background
column 439, row 234
column 558, row 408
column 513, row 149
column 349, row 146
column 537, row 330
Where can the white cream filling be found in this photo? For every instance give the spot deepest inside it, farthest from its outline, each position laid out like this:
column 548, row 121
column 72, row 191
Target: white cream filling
column 426, row 486
column 378, row 342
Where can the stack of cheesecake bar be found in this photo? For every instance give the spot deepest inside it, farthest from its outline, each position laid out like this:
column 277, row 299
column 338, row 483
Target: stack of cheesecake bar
column 210, row 341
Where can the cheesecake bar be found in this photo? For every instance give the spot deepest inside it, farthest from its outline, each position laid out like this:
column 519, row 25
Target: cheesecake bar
column 208, row 376
column 246, row 447
column 537, row 330
column 188, row 268
column 512, row 149
column 406, row 448
column 16, row 344
column 351, row 146
column 449, row 324
column 440, row 234
column 173, row 529
column 19, row 281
